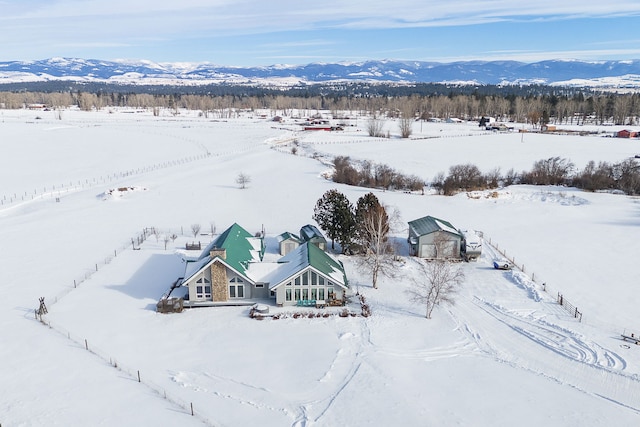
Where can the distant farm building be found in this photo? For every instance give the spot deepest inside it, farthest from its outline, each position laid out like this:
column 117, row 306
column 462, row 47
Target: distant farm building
column 625, row 133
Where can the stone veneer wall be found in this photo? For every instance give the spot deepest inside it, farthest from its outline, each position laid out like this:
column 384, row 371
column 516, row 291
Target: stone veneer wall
column 219, row 281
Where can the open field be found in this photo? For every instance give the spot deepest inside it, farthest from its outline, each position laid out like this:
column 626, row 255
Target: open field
column 505, row 353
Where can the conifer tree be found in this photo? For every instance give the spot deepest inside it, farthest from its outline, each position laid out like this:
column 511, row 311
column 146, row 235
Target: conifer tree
column 334, row 214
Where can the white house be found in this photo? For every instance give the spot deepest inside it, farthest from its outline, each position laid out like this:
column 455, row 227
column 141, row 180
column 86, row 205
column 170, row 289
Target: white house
column 232, row 270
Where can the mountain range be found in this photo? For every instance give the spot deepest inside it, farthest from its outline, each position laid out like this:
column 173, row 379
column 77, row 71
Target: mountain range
column 611, row 74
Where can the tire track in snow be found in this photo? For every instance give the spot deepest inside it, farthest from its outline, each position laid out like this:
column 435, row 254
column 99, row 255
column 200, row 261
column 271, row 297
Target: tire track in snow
column 571, row 360
column 303, row 408
column 560, row 340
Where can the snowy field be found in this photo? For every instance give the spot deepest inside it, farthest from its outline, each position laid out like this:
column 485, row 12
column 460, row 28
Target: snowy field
column 505, row 354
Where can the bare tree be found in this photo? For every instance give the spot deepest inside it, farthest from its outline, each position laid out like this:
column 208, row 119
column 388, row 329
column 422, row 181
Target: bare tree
column 212, row 227
column 374, row 127
column 436, row 282
column 373, row 238
column 165, row 239
column 406, row 123
column 195, row 229
column 243, row 180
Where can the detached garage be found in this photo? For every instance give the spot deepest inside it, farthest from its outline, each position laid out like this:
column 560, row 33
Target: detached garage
column 434, row 238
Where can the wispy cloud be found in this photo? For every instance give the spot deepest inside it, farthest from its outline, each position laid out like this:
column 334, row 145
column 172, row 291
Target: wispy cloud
column 72, row 27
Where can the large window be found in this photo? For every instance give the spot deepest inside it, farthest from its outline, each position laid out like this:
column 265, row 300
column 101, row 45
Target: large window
column 203, row 288
column 236, row 288
column 287, row 295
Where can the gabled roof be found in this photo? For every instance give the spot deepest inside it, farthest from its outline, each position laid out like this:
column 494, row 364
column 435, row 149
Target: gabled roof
column 195, row 267
column 288, row 236
column 307, row 255
column 309, row 232
column 240, row 246
column 429, row 224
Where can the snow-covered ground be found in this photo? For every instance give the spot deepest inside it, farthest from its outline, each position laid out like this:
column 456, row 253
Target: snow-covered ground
column 506, row 353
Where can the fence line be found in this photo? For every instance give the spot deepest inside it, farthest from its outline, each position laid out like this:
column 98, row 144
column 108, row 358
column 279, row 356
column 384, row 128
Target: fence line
column 55, row 191
column 571, row 309
column 133, row 373
column 136, row 374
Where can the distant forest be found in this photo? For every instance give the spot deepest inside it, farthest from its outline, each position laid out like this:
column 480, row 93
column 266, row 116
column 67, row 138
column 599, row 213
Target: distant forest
column 534, row 104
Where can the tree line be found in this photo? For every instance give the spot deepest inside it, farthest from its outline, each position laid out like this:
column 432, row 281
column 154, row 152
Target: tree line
column 622, row 176
column 555, row 106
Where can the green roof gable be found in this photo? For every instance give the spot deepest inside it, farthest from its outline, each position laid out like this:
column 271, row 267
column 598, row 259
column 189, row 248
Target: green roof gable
column 241, row 247
column 430, row 224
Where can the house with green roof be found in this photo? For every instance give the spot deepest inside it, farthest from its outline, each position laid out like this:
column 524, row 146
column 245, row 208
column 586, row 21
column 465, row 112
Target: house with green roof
column 307, row 274
column 220, row 273
column 232, row 270
column 434, row 238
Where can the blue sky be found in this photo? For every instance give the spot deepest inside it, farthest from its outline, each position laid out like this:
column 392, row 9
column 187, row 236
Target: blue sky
column 250, row 32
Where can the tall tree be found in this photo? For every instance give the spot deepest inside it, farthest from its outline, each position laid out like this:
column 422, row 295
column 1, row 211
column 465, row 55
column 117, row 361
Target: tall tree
column 405, row 123
column 334, row 214
column 373, row 229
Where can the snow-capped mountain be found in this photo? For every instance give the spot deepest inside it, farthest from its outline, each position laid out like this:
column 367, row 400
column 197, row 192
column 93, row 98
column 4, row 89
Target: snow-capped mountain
column 553, row 72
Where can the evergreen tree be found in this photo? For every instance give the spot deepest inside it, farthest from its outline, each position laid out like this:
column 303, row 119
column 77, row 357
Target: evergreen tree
column 334, row 214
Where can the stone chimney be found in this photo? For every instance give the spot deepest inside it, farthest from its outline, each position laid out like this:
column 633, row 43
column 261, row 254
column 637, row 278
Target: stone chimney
column 218, row 252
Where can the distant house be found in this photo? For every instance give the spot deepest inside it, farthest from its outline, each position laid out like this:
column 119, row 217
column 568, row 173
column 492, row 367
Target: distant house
column 310, row 233
column 453, row 120
column 231, row 270
column 625, row 133
column 434, row 238
column 288, row 242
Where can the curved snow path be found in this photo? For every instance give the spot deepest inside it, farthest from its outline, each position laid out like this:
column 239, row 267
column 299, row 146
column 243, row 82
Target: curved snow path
column 571, row 358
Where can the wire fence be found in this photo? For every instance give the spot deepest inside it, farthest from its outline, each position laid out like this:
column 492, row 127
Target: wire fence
column 40, row 315
column 570, row 308
column 55, row 191
column 135, row 374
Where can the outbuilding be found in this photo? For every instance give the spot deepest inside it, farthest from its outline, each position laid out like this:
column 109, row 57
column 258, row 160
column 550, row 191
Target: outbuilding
column 625, row 133
column 288, row 242
column 310, row 233
column 434, row 238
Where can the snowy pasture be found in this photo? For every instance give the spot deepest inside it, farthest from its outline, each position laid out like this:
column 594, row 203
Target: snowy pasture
column 506, row 353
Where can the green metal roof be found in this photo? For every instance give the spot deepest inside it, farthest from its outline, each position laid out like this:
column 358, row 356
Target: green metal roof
column 430, row 224
column 324, row 263
column 308, row 255
column 241, row 247
column 286, row 236
column 309, row 232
